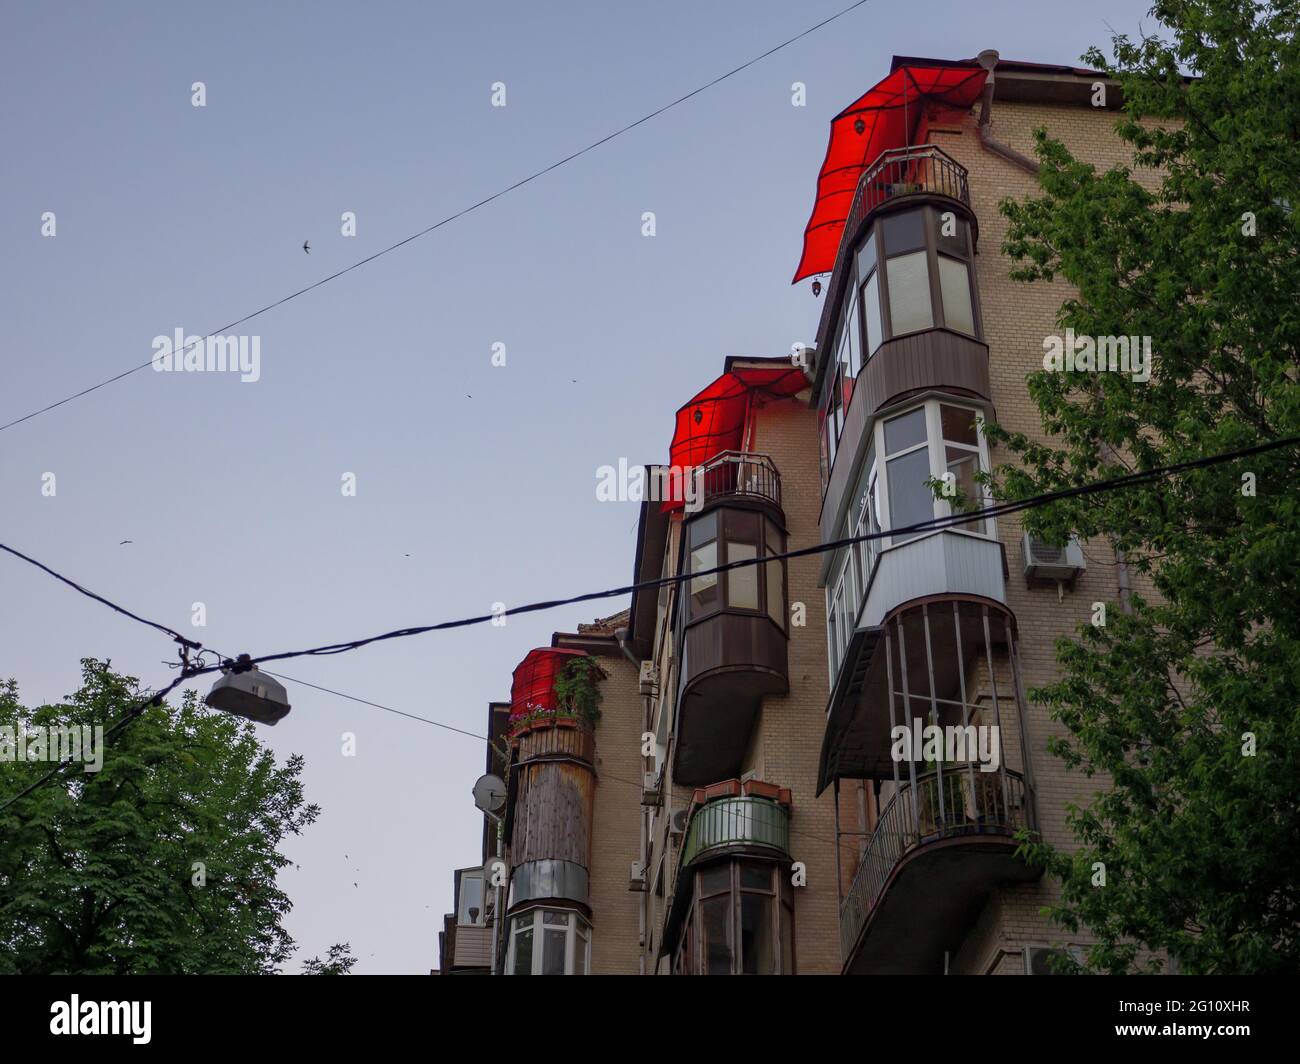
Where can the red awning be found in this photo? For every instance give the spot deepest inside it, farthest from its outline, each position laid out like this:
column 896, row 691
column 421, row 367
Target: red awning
column 890, row 113
column 533, row 689
column 714, row 421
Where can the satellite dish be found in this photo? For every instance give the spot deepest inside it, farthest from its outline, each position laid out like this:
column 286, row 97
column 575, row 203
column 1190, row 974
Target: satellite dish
column 490, row 793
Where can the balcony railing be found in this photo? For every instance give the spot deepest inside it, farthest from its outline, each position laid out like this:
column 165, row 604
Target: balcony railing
column 911, row 171
column 747, row 821
column 735, row 474
column 966, row 803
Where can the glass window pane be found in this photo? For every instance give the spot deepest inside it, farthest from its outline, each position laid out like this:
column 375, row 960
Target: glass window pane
column 715, row 878
column 952, row 238
column 556, row 918
column 471, row 898
column 757, row 945
column 704, row 528
column 904, row 432
column 787, row 940
column 715, row 915
column 954, row 286
column 867, row 255
column 855, row 340
column 964, row 465
column 902, row 232
column 742, row 584
column 775, row 576
column 909, row 294
column 871, row 313
column 553, row 943
column 704, row 589
column 756, row 877
column 580, row 956
column 958, row 424
column 524, row 948
column 910, row 498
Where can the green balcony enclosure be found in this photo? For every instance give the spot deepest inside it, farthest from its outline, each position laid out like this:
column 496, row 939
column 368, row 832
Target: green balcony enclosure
column 744, row 822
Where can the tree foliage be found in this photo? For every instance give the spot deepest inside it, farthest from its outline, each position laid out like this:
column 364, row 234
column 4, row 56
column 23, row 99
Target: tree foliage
column 1194, row 245
column 165, row 860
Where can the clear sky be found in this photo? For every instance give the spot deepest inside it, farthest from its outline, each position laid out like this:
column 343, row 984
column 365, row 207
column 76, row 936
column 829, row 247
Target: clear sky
column 475, row 483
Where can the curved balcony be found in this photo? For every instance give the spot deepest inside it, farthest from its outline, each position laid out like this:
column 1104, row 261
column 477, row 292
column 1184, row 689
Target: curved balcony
column 730, row 626
column 745, row 823
column 939, row 848
column 739, row 478
column 902, row 173
column 730, row 662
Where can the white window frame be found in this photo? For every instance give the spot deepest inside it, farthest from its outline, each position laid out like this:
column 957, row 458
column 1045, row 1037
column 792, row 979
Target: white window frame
column 935, row 445
column 535, row 919
column 462, row 916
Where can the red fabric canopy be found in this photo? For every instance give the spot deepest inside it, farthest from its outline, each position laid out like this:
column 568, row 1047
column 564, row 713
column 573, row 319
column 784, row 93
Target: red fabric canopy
column 890, row 113
column 533, row 689
column 714, row 421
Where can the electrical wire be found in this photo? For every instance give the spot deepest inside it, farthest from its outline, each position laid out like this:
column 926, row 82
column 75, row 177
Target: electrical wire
column 935, row 524
column 457, row 215
column 189, row 671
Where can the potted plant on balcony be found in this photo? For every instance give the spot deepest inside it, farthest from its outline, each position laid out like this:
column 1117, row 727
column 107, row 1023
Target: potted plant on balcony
column 577, row 690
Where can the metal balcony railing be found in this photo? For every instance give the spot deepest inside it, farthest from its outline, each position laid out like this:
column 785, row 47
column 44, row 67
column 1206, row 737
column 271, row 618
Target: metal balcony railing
column 966, row 803
column 736, row 473
column 747, row 821
column 923, row 168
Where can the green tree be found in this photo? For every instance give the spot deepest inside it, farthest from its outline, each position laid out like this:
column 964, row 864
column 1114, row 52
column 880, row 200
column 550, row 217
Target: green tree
column 338, row 962
column 1194, row 245
column 165, row 860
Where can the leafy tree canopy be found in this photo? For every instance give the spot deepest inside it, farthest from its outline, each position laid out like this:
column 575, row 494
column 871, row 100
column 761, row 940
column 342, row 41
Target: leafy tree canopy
column 1195, row 246
column 165, row 860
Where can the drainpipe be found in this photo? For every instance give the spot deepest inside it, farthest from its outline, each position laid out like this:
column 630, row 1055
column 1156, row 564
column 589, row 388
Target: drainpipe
column 988, row 59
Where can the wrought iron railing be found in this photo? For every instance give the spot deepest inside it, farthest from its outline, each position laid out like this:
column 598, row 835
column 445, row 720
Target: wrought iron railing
column 747, row 821
column 965, row 803
column 923, row 168
column 736, row 473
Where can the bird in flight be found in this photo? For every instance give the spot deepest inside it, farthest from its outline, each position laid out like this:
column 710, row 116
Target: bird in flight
column 306, row 247
column 126, row 541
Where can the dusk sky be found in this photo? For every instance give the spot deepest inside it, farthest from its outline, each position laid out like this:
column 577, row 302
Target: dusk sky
column 475, row 483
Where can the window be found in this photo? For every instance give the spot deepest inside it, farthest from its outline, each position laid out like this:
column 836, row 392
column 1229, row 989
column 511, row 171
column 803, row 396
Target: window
column 871, row 313
column 962, row 459
column 925, row 444
column 470, row 911
column 549, row 942
column 741, row 921
column 954, row 286
column 722, row 536
column 775, row 573
column 909, row 293
column 705, row 596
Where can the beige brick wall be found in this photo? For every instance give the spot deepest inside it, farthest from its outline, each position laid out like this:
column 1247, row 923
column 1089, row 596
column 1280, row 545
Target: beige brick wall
column 616, row 823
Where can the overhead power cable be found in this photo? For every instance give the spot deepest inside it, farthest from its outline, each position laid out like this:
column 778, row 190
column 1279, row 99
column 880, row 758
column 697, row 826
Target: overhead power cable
column 453, row 217
column 189, row 671
column 948, row 521
column 935, row 524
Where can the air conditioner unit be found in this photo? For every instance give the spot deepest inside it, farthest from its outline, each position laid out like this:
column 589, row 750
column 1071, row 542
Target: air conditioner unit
column 650, row 792
column 678, row 824
column 636, row 877
column 1061, row 565
column 648, row 681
